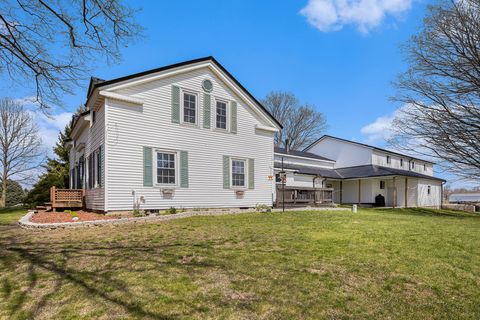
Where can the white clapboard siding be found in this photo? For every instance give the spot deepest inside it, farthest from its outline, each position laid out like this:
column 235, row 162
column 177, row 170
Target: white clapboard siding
column 130, row 127
column 93, row 137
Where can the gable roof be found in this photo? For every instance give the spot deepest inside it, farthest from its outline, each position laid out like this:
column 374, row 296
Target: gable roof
column 369, row 170
column 357, row 172
column 366, row 146
column 301, row 154
column 96, row 83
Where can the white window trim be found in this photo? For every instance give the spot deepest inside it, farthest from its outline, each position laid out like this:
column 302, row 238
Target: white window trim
column 182, row 107
column 245, row 186
column 389, row 160
column 155, row 175
column 227, row 103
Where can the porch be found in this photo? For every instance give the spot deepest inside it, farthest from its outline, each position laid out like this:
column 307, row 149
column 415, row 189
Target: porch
column 65, row 198
column 303, row 196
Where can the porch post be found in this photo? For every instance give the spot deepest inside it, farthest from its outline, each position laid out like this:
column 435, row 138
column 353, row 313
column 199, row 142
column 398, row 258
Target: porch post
column 406, row 192
column 341, row 191
column 394, row 193
column 359, row 190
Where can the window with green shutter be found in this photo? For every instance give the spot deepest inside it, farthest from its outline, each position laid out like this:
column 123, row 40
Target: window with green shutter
column 251, row 174
column 226, row 172
column 147, row 167
column 233, row 117
column 207, row 114
column 175, row 104
column 184, row 169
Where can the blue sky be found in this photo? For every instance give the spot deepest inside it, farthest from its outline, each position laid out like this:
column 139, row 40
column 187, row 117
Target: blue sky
column 338, row 55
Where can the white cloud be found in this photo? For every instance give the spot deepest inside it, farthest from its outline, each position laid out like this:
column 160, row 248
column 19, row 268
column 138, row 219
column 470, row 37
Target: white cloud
column 380, row 129
column 332, row 15
column 50, row 126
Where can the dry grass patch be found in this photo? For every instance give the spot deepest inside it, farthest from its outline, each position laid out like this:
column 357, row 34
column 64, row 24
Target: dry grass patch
column 384, row 264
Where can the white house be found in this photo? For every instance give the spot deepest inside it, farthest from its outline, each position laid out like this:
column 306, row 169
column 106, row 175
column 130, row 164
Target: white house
column 190, row 135
column 186, row 135
column 358, row 173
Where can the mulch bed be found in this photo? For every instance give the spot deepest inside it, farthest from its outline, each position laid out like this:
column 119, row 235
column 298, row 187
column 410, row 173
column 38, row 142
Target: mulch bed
column 58, row 217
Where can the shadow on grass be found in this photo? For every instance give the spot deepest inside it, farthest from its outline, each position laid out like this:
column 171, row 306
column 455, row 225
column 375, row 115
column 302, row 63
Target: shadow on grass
column 54, row 258
column 431, row 213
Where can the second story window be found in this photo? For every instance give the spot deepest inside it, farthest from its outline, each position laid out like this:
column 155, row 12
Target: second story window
column 413, row 165
column 401, row 162
column 389, row 160
column 221, row 115
column 382, row 184
column 189, row 108
column 424, row 167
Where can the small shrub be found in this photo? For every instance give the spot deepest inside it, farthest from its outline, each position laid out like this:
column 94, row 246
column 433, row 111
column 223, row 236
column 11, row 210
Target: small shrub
column 172, row 210
column 73, row 214
column 137, row 213
column 263, row 208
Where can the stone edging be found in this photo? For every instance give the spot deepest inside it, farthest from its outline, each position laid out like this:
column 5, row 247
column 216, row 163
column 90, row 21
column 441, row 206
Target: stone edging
column 25, row 222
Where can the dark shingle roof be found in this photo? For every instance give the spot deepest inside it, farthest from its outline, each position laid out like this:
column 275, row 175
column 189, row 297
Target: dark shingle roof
column 369, row 170
column 324, row 172
column 301, row 154
column 358, row 172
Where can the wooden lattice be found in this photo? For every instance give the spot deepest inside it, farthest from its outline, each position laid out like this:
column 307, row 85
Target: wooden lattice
column 66, row 197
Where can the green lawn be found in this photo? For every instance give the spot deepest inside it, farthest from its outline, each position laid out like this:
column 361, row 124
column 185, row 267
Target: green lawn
column 9, row 216
column 387, row 264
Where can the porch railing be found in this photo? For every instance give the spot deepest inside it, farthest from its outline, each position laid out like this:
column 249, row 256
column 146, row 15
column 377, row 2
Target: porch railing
column 65, row 198
column 296, row 196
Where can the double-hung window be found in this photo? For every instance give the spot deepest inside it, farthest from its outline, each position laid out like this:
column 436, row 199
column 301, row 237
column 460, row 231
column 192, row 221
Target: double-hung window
column 166, row 168
column 389, row 160
column 238, row 173
column 382, row 185
column 189, row 108
column 221, row 115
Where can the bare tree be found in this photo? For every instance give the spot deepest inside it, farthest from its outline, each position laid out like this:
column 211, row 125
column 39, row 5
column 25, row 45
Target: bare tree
column 52, row 44
column 302, row 124
column 20, row 144
column 441, row 89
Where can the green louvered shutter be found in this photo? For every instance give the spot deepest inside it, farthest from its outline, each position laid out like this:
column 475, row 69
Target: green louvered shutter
column 147, row 167
column 226, row 172
column 175, row 104
column 233, row 117
column 207, row 113
column 251, row 174
column 100, row 165
column 183, row 169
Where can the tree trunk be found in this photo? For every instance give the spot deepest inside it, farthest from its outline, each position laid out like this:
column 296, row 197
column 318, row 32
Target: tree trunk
column 3, row 200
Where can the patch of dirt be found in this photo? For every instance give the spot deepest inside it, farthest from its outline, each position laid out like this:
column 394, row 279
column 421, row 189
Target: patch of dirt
column 58, row 217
